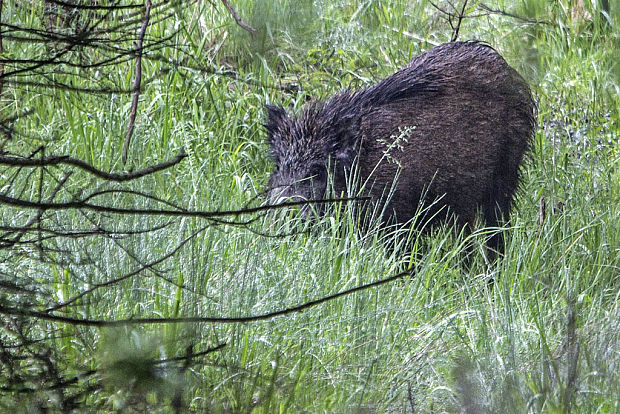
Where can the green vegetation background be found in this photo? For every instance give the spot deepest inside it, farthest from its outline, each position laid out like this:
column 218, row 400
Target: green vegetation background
column 545, row 338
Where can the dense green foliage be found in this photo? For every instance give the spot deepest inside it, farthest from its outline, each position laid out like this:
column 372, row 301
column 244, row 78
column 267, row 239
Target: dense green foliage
column 543, row 338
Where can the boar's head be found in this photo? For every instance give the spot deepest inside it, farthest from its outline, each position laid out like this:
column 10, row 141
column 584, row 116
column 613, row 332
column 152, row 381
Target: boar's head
column 307, row 148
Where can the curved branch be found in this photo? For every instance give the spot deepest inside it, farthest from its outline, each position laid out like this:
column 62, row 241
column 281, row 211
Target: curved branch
column 118, row 177
column 96, row 6
column 126, row 276
column 136, row 82
column 80, row 204
column 235, row 16
column 100, row 323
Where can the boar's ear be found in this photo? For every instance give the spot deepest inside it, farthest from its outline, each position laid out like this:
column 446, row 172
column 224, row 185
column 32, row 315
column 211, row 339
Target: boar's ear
column 276, row 117
column 347, row 141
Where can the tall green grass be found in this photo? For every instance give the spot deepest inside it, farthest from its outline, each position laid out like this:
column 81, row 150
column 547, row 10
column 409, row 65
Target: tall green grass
column 543, row 338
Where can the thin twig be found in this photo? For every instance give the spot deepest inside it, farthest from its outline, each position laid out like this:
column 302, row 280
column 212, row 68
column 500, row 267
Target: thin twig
column 572, row 351
column 80, row 204
column 100, row 323
column 192, row 355
column 80, row 39
column 460, row 16
column 73, row 380
column 68, row 87
column 125, row 276
column 1, row 65
column 412, row 35
column 118, row 177
column 411, row 398
column 136, row 83
column 447, row 13
column 15, row 117
column 98, row 231
column 115, row 7
column 36, row 218
column 235, row 16
column 514, row 16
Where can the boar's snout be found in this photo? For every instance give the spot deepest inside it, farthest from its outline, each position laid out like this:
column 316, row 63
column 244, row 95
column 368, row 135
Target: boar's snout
column 287, row 188
column 288, row 194
column 284, row 195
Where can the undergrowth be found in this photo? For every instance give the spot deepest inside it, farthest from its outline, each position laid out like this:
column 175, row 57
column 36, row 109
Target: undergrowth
column 543, row 337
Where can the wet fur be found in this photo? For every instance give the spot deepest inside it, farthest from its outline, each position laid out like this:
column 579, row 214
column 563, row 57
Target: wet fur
column 470, row 119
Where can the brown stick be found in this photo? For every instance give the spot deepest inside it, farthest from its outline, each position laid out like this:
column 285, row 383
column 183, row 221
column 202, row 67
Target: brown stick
column 12, row 311
column 1, row 66
column 66, row 160
column 514, row 16
column 136, row 83
column 209, row 215
column 125, row 276
column 235, row 16
column 460, row 16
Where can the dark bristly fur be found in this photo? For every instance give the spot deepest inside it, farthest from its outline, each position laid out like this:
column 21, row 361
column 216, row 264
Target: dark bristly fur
column 463, row 120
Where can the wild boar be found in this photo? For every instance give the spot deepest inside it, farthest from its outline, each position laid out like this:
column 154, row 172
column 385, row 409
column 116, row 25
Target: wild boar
column 450, row 129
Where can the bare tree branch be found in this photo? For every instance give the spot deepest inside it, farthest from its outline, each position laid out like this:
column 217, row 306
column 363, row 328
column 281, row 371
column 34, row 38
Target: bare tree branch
column 1, row 64
column 514, row 16
column 78, row 6
column 100, row 323
column 53, row 233
column 66, row 87
column 72, row 45
column 191, row 355
column 450, row 15
column 126, row 276
column 63, row 383
column 235, row 16
column 118, row 177
column 460, row 16
column 80, row 204
column 136, row 82
column 36, row 218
